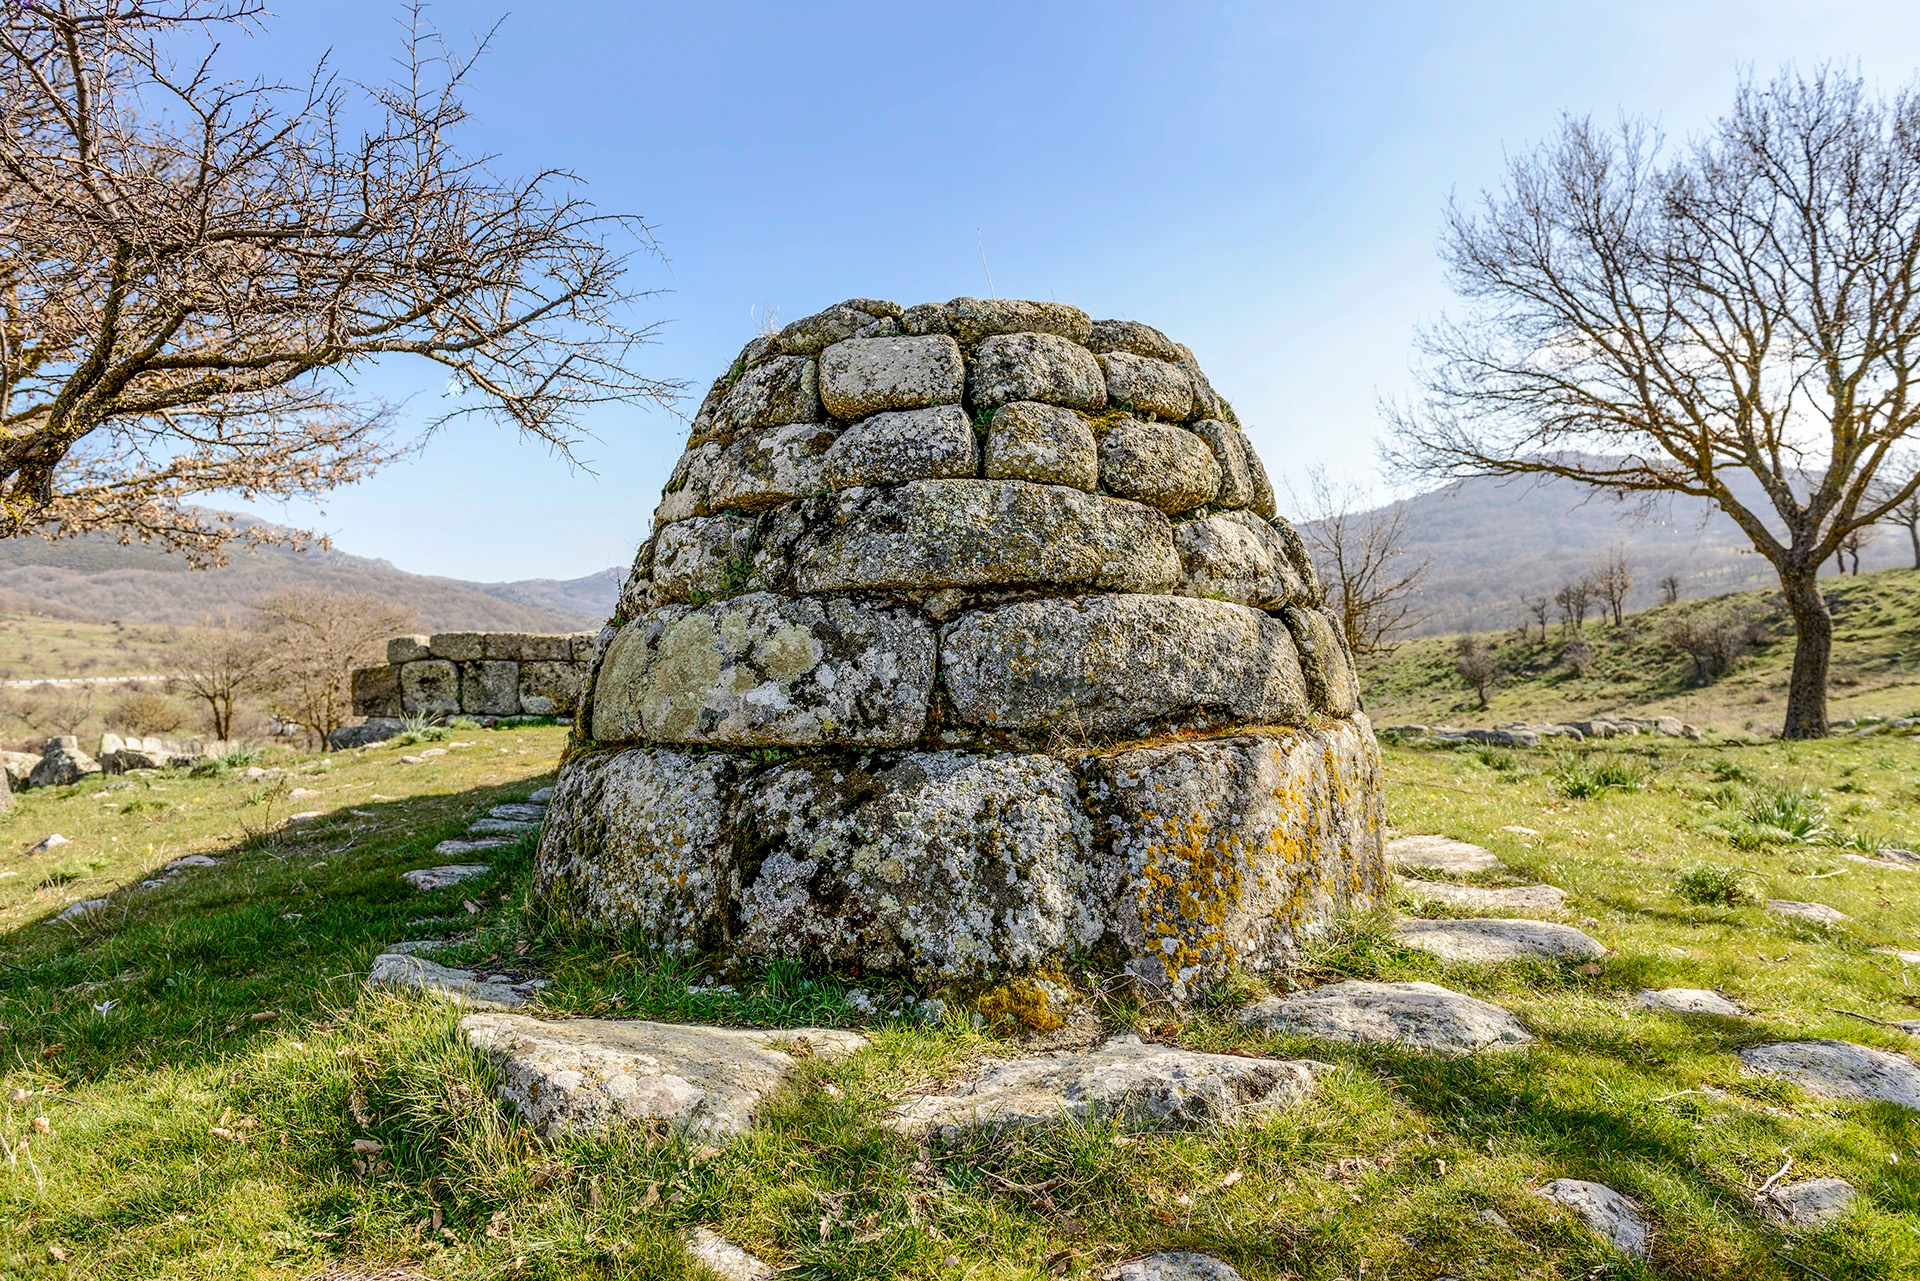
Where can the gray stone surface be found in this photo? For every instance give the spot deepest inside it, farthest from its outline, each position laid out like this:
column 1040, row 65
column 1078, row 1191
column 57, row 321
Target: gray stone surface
column 430, row 687
column 1227, row 853
column 1491, row 940
column 550, row 689
column 460, row 647
column 702, row 557
column 1507, row 898
column 1331, row 679
column 1231, row 451
column 1123, row 1080
column 405, row 649
column 934, row 534
column 82, row 910
column 685, row 493
column 724, row 1259
column 490, row 688
column 501, row 827
column 1172, row 1265
column 1042, row 443
column 1688, row 1000
column 518, row 812
column 1235, row 556
column 376, row 692
column 971, row 320
column 62, row 764
column 1147, row 386
column 1906, row 956
column 785, row 389
column 811, row 335
column 574, row 1075
column 1132, row 336
column 1032, row 366
column 1421, row 1015
column 871, row 375
column 1115, row 664
column 769, row 466
column 940, row 864
column 1814, row 913
column 457, row 848
column 911, row 444
column 1440, row 854
column 1166, row 467
column 763, row 670
column 439, row 878
column 1809, row 1204
column 1839, row 1070
column 1609, row 1214
column 407, row 971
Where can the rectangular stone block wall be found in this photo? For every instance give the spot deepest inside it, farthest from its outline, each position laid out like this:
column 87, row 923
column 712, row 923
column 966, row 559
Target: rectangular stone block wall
column 475, row 674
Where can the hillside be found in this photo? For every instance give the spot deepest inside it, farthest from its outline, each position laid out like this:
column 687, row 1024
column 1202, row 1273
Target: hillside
column 1634, row 667
column 92, row 578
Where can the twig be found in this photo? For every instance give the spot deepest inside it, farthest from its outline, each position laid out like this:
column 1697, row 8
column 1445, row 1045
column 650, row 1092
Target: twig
column 1864, row 1018
column 1676, row 1094
column 1787, row 1258
column 1777, row 1175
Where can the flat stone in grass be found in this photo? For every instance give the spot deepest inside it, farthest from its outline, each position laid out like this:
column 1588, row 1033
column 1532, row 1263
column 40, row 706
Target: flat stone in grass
column 85, row 908
column 1905, row 956
column 1440, row 854
column 1491, row 940
column 1608, row 1213
column 541, row 797
column 1173, row 1265
column 1818, row 913
column 438, row 878
column 586, row 1074
column 455, row 848
column 500, row 827
column 403, row 970
column 1513, row 898
column 1688, row 1000
column 1125, row 1079
column 725, row 1259
column 1812, row 1203
column 518, row 812
column 1422, row 1015
column 1839, row 1070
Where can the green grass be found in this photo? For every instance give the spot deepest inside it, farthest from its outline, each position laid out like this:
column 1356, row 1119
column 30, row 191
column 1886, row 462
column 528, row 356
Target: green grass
column 236, row 1006
column 1634, row 671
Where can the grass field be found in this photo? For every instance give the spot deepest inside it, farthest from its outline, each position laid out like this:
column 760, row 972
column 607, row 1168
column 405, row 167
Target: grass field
column 204, row 1054
column 1635, row 671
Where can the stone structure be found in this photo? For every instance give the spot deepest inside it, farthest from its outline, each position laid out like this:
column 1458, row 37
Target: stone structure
column 476, row 674
column 966, row 641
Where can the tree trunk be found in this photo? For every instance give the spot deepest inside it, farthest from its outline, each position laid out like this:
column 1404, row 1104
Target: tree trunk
column 1913, row 535
column 1812, row 651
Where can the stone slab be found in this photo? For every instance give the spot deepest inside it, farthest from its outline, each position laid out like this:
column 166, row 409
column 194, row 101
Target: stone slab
column 1815, row 913
column 1146, row 385
column 1166, row 467
column 1236, row 556
column 426, row 879
column 430, row 687
column 770, row 466
column 1809, row 1204
column 1609, row 1214
column 1331, row 680
column 1688, row 1000
column 1492, row 940
column 1042, row 443
column 1424, row 1016
column 408, row 972
column 1172, row 1265
column 973, row 320
column 1839, row 1070
column 1511, row 898
column 1031, row 366
column 456, row 847
column 1440, row 854
column 893, row 448
column 575, row 1075
column 785, row 389
column 726, row 1260
column 871, row 375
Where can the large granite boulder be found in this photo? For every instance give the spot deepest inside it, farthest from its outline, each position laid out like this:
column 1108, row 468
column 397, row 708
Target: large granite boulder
column 965, row 645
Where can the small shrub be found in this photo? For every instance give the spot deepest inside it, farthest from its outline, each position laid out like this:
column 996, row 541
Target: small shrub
column 1579, row 776
column 1794, row 811
column 419, row 728
column 144, row 713
column 1726, row 771
column 1711, row 883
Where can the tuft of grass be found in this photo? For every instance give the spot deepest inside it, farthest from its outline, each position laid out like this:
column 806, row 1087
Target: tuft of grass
column 1713, row 883
column 1580, row 776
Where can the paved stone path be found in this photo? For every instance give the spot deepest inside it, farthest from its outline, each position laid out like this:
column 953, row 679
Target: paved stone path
column 1422, row 1015
column 1512, row 898
column 1440, row 854
column 1492, row 940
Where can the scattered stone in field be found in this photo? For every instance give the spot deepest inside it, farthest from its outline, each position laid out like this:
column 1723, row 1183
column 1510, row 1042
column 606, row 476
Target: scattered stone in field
column 581, row 1074
column 1423, row 1015
column 1910, row 1026
column 396, row 969
column 1174, row 1265
column 725, row 1259
column 541, row 797
column 1906, row 956
column 191, row 860
column 455, row 848
column 1839, row 1070
column 62, row 764
column 1607, row 1212
column 413, row 760
column 1812, row 1203
column 432, row 752
column 305, row 816
column 1125, row 1079
column 1818, row 913
column 1896, row 865
column 1688, row 1000
column 79, row 911
column 1440, row 854
column 301, row 793
column 1518, row 830
column 1514, row 898
column 518, row 812
column 1490, row 940
column 414, row 947
column 500, row 827
column 438, row 878
column 52, row 842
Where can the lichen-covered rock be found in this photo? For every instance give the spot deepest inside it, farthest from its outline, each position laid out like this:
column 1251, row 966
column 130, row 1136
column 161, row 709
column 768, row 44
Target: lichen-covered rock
column 763, row 670
column 859, row 318
column 703, row 557
column 870, row 375
column 942, row 865
column 1839, row 1070
column 685, row 494
column 399, row 970
column 1042, row 443
column 1609, row 1214
column 490, row 688
column 1124, row 1080
column 1688, row 1000
column 1134, row 337
column 1422, row 1015
column 785, row 389
column 1166, row 467
column 769, row 466
column 1143, row 385
column 1231, row 451
column 1122, row 663
column 972, row 320
column 430, row 687
column 549, row 689
column 376, row 691
column 903, row 445
column 404, row 649
column 1172, row 1265
column 1331, row 679
column 1809, row 1204
column 1440, row 854
column 1029, row 366
column 1229, row 852
column 1490, row 940
column 933, row 534
column 1235, row 556
column 460, row 647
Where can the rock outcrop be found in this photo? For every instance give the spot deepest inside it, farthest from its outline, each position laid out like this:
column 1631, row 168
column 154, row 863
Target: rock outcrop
column 965, row 640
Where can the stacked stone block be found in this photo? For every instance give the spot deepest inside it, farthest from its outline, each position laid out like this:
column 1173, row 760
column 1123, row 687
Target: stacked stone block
column 490, row 674
column 967, row 643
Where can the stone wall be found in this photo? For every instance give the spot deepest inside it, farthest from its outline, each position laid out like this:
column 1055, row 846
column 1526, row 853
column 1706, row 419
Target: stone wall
column 1006, row 657
column 475, row 674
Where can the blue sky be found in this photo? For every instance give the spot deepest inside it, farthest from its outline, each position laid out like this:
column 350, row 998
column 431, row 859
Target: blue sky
column 1264, row 182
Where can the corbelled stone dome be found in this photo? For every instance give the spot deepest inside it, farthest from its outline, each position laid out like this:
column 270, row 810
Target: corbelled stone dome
column 967, row 641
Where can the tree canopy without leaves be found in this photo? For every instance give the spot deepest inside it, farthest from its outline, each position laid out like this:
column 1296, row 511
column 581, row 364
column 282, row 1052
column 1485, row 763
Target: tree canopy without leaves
column 312, row 640
column 1361, row 554
column 193, row 266
column 1649, row 319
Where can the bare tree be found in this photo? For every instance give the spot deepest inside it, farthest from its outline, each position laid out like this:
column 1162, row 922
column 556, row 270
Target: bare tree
column 194, row 267
column 219, row 663
column 1540, row 607
column 1574, row 600
column 1362, row 556
column 1904, row 511
column 1669, row 589
column 1612, row 580
column 313, row 641
column 1851, row 546
column 1478, row 667
column 1648, row 321
column 1714, row 640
